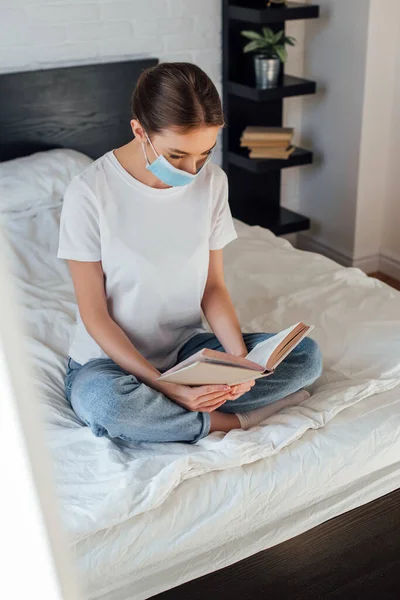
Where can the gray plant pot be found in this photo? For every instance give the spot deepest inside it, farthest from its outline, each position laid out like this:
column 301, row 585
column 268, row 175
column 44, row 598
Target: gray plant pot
column 267, row 71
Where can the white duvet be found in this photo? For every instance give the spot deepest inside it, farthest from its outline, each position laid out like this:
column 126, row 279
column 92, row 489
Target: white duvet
column 104, row 484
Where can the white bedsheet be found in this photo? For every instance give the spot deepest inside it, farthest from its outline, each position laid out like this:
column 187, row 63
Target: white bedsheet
column 215, row 520
column 145, row 517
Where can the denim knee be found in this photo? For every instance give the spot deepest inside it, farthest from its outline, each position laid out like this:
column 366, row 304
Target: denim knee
column 92, row 401
column 312, row 366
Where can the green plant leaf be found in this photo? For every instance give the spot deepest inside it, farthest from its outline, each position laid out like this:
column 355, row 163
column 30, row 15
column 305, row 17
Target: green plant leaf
column 290, row 40
column 254, row 45
column 281, row 53
column 278, row 36
column 268, row 34
column 252, row 35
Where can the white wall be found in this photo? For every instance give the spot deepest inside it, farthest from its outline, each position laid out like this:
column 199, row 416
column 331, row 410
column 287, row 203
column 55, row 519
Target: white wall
column 378, row 115
column 390, row 238
column 335, row 56
column 352, row 195
column 43, row 33
column 292, row 114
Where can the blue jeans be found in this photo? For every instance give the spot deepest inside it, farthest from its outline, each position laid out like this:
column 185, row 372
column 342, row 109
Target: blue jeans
column 112, row 402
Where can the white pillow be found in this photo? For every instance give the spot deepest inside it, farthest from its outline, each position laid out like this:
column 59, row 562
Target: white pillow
column 37, row 179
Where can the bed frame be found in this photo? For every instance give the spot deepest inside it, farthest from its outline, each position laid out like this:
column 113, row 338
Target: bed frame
column 86, row 108
column 355, row 555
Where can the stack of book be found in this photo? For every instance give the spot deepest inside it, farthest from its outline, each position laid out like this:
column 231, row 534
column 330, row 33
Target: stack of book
column 268, row 142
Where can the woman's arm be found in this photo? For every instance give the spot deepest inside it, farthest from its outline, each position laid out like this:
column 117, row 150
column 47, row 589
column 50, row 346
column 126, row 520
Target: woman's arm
column 88, row 280
column 219, row 310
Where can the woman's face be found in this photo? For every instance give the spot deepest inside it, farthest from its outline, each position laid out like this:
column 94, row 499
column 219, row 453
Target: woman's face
column 186, row 151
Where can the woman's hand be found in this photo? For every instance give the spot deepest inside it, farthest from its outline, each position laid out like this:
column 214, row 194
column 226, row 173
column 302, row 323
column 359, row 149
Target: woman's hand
column 204, row 398
column 241, row 388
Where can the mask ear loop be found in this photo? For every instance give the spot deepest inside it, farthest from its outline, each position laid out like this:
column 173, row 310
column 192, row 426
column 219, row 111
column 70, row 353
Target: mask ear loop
column 154, row 150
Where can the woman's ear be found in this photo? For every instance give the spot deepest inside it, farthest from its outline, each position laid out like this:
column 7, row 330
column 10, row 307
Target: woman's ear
column 138, row 130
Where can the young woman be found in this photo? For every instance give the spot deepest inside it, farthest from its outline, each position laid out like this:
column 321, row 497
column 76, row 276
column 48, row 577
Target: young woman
column 143, row 229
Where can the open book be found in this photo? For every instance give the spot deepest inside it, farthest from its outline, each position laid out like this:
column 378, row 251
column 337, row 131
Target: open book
column 212, row 366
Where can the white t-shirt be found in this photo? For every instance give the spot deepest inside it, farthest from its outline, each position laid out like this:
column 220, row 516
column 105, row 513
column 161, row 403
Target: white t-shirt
column 154, row 247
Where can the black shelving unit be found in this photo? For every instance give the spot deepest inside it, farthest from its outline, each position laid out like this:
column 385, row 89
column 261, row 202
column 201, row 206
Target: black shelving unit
column 255, row 184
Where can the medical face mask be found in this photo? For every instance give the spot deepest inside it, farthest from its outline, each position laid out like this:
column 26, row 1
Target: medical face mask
column 166, row 172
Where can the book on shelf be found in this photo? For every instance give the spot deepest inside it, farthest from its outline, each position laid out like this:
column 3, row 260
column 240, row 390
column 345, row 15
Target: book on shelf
column 214, row 367
column 272, row 153
column 268, row 142
column 244, row 142
column 267, row 133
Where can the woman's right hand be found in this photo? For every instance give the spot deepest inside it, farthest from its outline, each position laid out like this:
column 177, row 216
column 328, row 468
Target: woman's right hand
column 201, row 398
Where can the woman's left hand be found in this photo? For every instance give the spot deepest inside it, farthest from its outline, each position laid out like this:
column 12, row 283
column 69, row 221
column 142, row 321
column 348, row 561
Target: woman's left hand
column 239, row 389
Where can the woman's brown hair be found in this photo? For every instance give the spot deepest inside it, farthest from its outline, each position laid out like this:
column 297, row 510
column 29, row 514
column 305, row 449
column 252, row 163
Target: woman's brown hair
column 176, row 95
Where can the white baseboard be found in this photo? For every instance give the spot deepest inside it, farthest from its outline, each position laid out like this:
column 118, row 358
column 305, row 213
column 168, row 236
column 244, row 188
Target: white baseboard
column 386, row 262
column 368, row 264
column 389, row 264
column 304, row 242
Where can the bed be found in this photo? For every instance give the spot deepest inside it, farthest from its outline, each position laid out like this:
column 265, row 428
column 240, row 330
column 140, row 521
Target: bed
column 147, row 518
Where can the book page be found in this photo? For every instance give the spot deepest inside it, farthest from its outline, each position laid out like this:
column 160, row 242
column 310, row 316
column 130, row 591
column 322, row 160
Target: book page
column 262, row 352
column 201, row 373
column 207, row 355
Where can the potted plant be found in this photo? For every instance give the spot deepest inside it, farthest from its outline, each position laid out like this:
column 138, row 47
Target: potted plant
column 270, row 53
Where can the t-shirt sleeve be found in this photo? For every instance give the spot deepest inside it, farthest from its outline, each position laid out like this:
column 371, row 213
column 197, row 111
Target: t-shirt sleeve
column 222, row 227
column 79, row 235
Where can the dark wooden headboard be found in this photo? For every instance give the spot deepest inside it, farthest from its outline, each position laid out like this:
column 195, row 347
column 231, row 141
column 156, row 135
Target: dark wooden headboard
column 86, row 108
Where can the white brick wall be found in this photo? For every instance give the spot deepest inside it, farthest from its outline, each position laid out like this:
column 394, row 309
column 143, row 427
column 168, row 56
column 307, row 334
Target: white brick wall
column 39, row 34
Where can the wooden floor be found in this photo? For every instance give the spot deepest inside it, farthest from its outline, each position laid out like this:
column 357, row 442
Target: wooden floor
column 389, row 280
column 355, row 556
